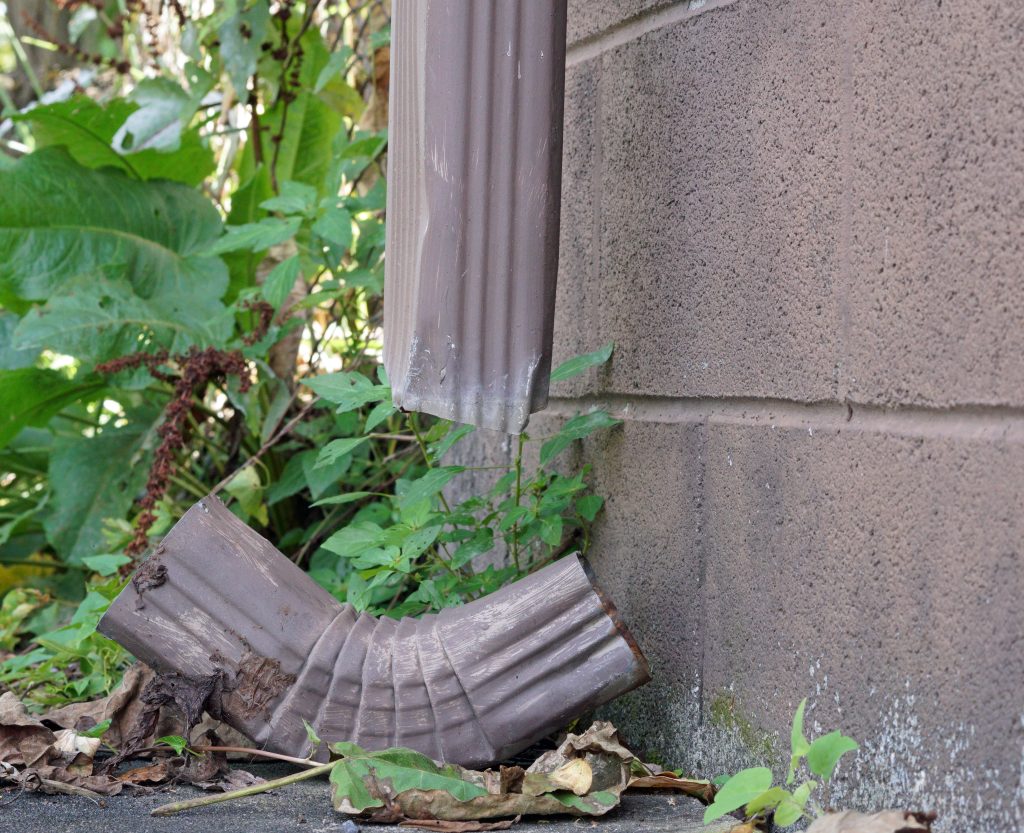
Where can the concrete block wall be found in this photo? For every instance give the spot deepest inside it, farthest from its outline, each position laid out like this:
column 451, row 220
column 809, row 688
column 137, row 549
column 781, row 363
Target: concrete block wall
column 802, row 223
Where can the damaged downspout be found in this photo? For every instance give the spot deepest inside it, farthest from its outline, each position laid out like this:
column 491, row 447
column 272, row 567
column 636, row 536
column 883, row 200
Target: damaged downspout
column 474, row 189
column 469, row 685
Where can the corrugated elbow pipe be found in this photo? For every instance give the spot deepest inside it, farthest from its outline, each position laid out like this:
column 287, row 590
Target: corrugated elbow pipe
column 469, row 685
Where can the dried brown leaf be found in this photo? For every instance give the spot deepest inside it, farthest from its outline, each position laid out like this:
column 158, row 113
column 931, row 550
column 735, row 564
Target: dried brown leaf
column 458, row 826
column 156, row 773
column 24, row 740
column 704, row 790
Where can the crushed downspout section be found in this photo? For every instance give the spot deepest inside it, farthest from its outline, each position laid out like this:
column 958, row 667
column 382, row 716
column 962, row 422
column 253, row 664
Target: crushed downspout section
column 219, row 606
column 474, row 190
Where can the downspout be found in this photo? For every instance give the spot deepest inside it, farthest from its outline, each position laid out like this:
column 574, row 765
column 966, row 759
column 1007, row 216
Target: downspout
column 469, row 685
column 474, row 190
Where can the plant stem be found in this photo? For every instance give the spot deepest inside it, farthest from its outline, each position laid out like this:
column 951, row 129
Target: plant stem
column 256, row 789
column 519, row 494
column 258, row 753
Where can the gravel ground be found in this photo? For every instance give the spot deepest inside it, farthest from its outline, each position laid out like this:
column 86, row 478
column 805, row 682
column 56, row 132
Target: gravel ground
column 304, row 808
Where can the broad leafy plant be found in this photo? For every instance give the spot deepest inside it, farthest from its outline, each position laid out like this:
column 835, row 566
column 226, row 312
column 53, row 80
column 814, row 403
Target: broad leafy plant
column 191, row 279
column 754, row 789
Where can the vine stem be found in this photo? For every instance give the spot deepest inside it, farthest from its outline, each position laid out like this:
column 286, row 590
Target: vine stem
column 270, row 443
column 519, row 495
column 258, row 753
column 191, row 804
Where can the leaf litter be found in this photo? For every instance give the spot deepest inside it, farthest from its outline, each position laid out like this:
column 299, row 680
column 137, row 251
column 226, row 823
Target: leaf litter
column 74, row 750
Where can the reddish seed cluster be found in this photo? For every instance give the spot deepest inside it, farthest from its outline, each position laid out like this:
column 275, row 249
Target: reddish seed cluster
column 196, row 369
column 265, row 316
column 114, row 26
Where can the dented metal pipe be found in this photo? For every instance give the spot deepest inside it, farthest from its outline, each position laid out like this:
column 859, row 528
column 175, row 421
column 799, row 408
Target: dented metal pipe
column 469, row 685
column 474, row 192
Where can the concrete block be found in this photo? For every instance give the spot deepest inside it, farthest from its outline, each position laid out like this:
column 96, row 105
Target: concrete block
column 879, row 575
column 588, row 18
column 721, row 204
column 577, row 291
column 935, row 311
column 646, row 554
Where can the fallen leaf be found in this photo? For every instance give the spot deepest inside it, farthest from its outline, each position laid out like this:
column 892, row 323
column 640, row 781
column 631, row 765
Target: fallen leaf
column 887, row 821
column 704, row 790
column 576, row 775
column 458, row 826
column 235, row 779
column 69, row 745
column 24, row 740
column 584, row 776
column 156, row 773
column 122, row 708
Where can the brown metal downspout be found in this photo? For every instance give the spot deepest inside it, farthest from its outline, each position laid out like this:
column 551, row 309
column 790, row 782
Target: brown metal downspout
column 469, row 685
column 473, row 205
column 474, row 189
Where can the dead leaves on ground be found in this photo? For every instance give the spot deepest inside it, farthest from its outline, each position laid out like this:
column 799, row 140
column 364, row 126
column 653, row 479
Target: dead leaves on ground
column 584, row 776
column 57, row 752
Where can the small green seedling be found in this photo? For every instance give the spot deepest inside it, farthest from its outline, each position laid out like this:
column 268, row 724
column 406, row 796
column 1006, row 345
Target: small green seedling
column 176, row 742
column 753, row 788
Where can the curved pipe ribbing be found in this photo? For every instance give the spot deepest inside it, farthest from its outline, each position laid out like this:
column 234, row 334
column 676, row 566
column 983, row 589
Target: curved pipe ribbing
column 469, row 685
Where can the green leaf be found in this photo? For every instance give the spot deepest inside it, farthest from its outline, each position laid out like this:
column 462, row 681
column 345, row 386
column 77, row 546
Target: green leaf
column 106, row 565
column 86, row 129
column 766, row 800
column 176, row 742
column 164, row 111
column 11, row 357
column 381, row 411
column 96, row 731
column 791, row 809
column 294, row 198
column 348, row 497
column 589, row 505
column 575, row 429
column 825, row 752
column 481, row 542
column 355, row 539
column 798, row 743
column 455, row 433
column 401, row 769
column 336, row 449
column 93, row 478
column 256, row 237
column 280, row 281
column 320, row 478
column 427, row 486
column 551, row 530
column 59, row 221
column 335, row 64
column 98, row 319
column 743, row 787
column 335, row 226
column 348, row 390
column 311, row 736
column 575, row 366
column 240, row 38
column 247, row 488
column 31, row 396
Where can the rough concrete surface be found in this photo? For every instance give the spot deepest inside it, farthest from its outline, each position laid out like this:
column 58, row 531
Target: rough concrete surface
column 802, row 225
column 305, row 808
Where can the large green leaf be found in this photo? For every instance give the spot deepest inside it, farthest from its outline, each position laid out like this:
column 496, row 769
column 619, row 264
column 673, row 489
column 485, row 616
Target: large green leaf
column 94, row 478
column 12, row 357
column 96, row 319
column 31, row 396
column 115, row 242
column 87, row 130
